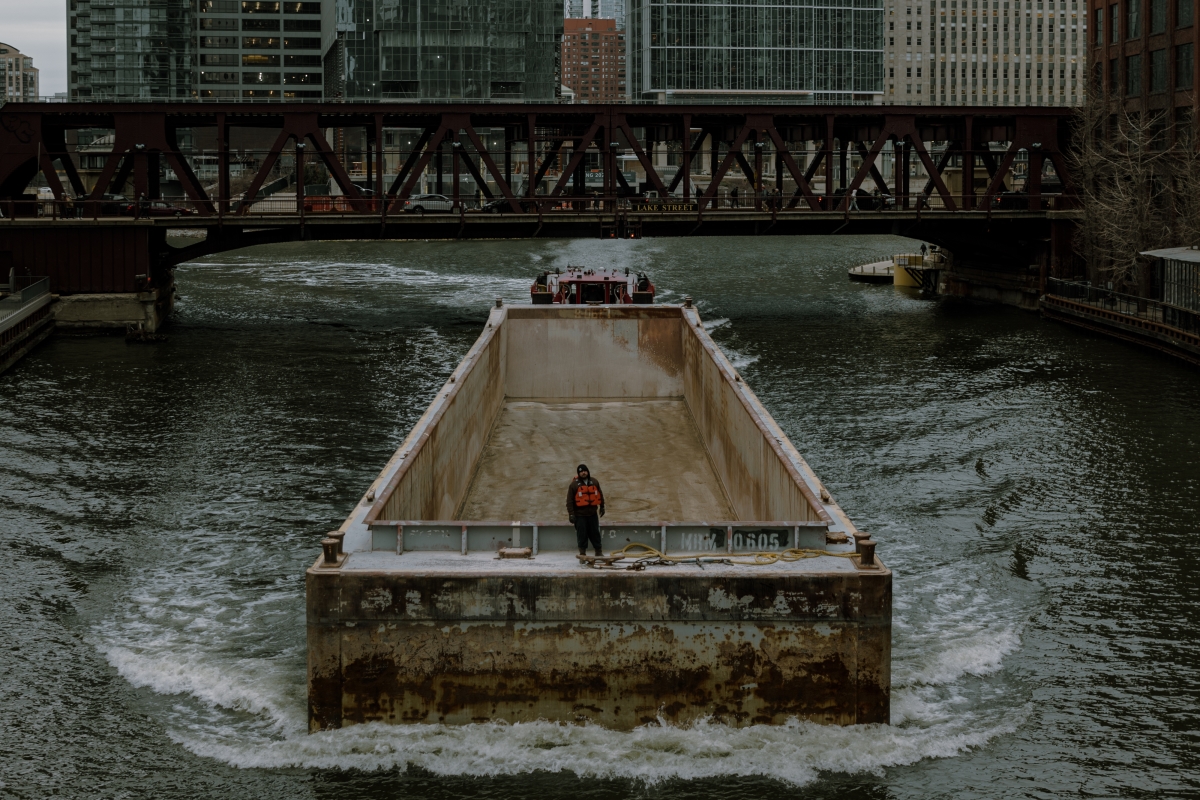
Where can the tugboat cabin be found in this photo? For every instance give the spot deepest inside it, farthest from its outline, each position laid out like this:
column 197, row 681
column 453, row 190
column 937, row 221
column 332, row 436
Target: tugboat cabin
column 582, row 286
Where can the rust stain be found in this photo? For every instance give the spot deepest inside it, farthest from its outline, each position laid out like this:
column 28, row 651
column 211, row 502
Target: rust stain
column 660, row 341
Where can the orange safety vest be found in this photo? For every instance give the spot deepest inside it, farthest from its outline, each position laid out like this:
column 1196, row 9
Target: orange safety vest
column 587, row 495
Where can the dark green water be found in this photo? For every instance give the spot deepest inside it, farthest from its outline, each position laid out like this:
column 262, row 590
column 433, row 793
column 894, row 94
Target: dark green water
column 1034, row 489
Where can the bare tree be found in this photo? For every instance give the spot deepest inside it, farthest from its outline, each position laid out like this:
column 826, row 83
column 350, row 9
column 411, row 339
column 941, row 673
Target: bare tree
column 1136, row 191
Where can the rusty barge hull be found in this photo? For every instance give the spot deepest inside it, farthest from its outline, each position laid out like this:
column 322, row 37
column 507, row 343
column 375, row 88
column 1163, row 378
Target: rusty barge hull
column 417, row 620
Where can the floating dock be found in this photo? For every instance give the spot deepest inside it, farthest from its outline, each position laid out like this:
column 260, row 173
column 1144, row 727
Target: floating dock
column 453, row 594
column 875, row 272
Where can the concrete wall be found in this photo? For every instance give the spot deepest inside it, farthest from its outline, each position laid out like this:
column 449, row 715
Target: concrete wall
column 573, row 353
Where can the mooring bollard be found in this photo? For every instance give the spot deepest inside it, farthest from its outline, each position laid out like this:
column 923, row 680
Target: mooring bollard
column 339, row 536
column 687, row 302
column 867, row 553
column 859, row 538
column 330, row 547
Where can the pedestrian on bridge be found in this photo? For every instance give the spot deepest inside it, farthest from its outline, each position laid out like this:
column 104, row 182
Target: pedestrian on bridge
column 733, row 197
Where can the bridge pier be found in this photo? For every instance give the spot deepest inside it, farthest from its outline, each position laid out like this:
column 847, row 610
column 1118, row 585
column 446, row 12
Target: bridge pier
column 106, row 277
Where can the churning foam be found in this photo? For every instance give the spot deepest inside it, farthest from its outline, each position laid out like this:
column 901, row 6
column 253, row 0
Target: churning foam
column 249, row 712
column 795, row 753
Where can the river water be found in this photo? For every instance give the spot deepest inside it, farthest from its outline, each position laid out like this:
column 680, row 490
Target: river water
column 1034, row 489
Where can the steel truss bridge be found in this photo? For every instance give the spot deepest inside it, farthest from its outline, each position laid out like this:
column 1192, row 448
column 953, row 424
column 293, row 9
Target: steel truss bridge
column 537, row 174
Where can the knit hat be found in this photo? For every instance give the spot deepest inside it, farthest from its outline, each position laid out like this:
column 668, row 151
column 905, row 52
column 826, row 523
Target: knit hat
column 582, row 468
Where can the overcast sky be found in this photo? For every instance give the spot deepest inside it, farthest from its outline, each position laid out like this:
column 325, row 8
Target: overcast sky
column 38, row 28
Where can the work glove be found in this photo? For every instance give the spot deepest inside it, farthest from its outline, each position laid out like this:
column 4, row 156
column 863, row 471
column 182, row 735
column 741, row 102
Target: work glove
column 602, row 511
column 571, row 520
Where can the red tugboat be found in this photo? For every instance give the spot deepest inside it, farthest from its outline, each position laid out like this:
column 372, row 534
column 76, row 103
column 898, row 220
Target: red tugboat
column 582, row 286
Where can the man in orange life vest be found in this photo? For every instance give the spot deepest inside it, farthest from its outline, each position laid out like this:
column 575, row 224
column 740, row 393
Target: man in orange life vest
column 585, row 506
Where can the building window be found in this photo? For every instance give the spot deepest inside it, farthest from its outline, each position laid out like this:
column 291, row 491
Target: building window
column 260, row 24
column 1158, row 16
column 1100, row 25
column 1183, row 66
column 1183, row 13
column 259, row 7
column 1133, row 75
column 292, row 43
column 1133, row 19
column 260, row 77
column 302, row 8
column 1158, row 70
column 1114, row 78
column 260, row 42
column 1114, row 33
column 260, row 60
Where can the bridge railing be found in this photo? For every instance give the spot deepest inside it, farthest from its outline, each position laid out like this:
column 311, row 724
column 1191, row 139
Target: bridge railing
column 117, row 208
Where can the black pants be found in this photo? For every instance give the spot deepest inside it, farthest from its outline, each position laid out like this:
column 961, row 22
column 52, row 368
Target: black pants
column 587, row 529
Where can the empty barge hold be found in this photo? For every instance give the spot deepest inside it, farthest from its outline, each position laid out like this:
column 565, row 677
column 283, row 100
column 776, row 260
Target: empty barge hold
column 414, row 616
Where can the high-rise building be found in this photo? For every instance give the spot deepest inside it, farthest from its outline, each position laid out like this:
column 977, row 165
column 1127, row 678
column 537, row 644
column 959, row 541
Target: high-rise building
column 261, row 49
column 20, row 75
column 1144, row 53
column 505, row 50
column 735, row 51
column 601, row 9
column 131, row 49
column 985, row 52
column 593, row 60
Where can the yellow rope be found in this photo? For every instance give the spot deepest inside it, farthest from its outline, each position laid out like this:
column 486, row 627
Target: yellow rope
column 757, row 559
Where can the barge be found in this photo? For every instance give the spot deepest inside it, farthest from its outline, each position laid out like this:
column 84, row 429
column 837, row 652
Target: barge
column 453, row 592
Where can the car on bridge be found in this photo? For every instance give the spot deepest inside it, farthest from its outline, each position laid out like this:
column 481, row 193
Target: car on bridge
column 423, row 203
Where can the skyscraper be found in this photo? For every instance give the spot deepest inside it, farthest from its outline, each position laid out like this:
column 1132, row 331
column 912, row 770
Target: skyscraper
column 134, row 49
column 738, row 51
column 20, row 75
column 445, row 49
column 593, row 60
column 985, row 52
column 260, row 49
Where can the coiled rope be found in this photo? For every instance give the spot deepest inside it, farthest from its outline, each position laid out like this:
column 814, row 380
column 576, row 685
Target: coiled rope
column 646, row 553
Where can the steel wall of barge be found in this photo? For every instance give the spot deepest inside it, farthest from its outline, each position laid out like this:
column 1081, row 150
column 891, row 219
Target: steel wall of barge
column 616, row 649
column 740, row 437
column 595, row 353
column 444, row 446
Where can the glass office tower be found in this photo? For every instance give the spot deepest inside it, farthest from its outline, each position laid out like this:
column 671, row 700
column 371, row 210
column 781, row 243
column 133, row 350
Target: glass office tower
column 131, row 49
column 794, row 51
column 503, row 50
